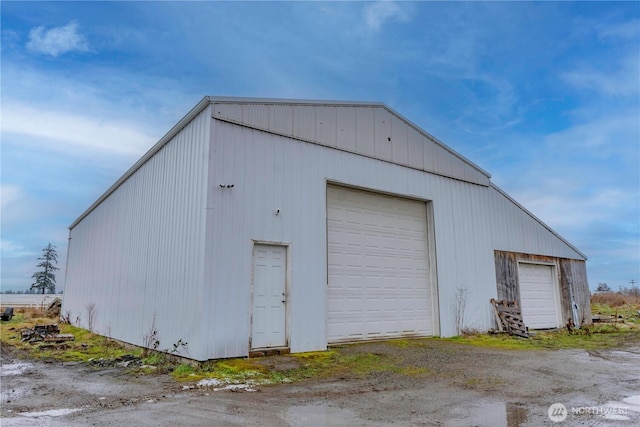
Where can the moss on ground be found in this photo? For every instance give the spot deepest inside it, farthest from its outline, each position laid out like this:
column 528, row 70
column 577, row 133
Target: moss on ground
column 587, row 338
column 344, row 361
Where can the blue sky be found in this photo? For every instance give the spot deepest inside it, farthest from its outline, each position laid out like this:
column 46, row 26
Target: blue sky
column 545, row 96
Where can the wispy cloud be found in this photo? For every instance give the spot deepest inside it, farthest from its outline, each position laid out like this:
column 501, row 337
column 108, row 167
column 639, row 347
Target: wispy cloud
column 601, row 137
column 558, row 205
column 58, row 40
column 11, row 249
column 624, row 81
column 75, row 131
column 624, row 30
column 378, row 13
column 10, row 195
column 17, row 208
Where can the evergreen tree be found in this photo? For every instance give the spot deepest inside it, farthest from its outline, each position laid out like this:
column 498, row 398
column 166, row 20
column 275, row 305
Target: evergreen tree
column 45, row 279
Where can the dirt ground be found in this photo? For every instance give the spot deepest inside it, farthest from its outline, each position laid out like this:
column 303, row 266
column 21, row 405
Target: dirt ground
column 450, row 384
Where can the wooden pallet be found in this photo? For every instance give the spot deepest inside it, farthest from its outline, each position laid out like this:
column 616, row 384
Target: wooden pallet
column 509, row 317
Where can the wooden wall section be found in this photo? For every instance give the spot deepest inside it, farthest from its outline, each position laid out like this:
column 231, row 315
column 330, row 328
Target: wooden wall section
column 572, row 277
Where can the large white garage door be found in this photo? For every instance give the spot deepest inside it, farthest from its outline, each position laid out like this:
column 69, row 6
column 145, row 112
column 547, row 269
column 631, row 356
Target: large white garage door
column 538, row 296
column 377, row 266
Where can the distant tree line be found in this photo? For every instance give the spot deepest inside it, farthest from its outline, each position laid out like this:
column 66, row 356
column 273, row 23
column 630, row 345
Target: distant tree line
column 25, row 292
column 633, row 290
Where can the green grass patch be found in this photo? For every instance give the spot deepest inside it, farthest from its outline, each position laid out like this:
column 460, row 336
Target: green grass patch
column 625, row 313
column 86, row 345
column 233, row 370
column 183, row 370
column 332, row 363
column 588, row 338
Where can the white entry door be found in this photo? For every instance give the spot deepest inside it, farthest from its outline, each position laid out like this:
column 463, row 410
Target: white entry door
column 269, row 296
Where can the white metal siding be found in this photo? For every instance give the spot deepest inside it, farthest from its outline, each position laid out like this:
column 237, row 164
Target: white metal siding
column 538, row 296
column 271, row 171
column 370, row 130
column 140, row 253
column 170, row 237
column 377, row 266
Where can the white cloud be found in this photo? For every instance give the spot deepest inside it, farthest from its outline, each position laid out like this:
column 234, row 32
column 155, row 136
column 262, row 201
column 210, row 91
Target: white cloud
column 17, row 208
column 625, row 30
column 58, row 40
column 9, row 195
column 71, row 131
column 11, row 249
column 376, row 14
column 601, row 136
column 555, row 204
column 624, row 81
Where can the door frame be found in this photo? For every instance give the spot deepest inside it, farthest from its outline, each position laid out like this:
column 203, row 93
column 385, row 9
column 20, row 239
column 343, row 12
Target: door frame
column 287, row 247
column 555, row 283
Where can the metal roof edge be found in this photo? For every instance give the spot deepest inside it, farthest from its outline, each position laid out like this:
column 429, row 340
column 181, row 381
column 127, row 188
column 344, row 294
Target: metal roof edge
column 197, row 109
column 437, row 141
column 249, row 100
column 208, row 100
column 512, row 200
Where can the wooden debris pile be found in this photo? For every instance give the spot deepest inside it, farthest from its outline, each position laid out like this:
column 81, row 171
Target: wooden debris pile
column 54, row 308
column 46, row 333
column 509, row 318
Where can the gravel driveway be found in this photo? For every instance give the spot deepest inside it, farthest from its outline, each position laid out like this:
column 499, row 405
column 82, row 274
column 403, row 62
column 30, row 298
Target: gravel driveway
column 444, row 384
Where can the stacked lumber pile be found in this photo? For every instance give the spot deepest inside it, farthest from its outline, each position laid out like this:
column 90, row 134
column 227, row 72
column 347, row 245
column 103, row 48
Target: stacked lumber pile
column 47, row 333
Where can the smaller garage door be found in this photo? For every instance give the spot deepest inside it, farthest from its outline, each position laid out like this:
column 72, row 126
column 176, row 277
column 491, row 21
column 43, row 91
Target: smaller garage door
column 538, row 296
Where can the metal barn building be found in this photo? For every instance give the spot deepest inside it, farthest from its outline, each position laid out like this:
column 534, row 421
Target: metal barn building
column 259, row 224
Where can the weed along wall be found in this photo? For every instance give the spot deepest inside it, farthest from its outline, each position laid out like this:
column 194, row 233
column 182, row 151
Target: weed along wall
column 271, row 225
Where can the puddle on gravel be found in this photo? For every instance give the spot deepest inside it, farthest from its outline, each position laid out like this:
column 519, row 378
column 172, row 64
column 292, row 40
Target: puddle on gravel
column 49, row 413
column 491, row 414
column 38, row 419
column 14, row 369
column 625, row 410
column 320, row 414
column 626, row 354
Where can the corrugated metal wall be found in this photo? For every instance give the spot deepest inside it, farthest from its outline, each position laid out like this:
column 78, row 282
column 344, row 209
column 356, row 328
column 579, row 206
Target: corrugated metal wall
column 175, row 239
column 372, row 131
column 139, row 254
column 270, row 172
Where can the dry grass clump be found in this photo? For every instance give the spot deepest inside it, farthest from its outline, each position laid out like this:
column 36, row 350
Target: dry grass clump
column 32, row 313
column 613, row 299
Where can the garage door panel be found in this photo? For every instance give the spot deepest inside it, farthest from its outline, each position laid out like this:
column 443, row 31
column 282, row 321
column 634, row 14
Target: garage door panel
column 538, row 296
column 377, row 262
